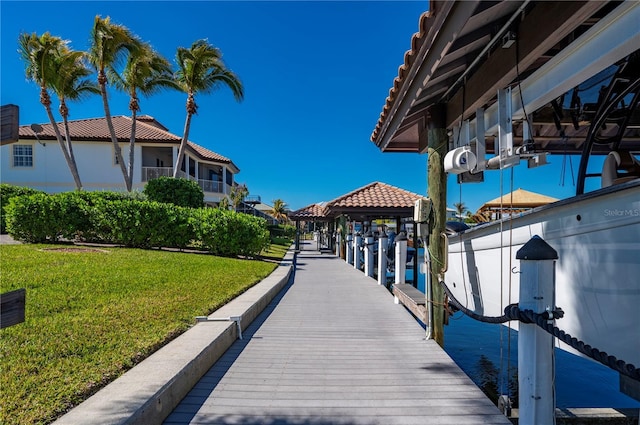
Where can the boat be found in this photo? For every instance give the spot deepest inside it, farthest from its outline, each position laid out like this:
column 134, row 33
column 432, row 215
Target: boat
column 492, row 85
column 596, row 233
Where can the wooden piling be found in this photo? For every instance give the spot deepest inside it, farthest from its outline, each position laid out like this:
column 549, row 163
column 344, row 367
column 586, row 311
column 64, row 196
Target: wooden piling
column 437, row 192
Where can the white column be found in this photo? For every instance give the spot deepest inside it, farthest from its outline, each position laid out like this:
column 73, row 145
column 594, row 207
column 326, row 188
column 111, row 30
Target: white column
column 357, row 253
column 224, row 180
column 400, row 258
column 368, row 253
column 349, row 253
column 536, row 359
column 382, row 258
column 338, row 242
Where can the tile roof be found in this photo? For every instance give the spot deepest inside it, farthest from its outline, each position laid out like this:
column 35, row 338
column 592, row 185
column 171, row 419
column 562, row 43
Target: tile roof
column 95, row 129
column 310, row 212
column 148, row 129
column 205, row 153
column 376, row 195
column 417, row 40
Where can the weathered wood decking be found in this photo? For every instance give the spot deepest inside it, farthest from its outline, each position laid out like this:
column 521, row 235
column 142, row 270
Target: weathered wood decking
column 333, row 348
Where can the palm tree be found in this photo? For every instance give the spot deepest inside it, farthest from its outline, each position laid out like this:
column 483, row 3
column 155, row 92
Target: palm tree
column 146, row 71
column 45, row 56
column 201, row 70
column 461, row 209
column 110, row 43
column 279, row 210
column 237, row 195
column 70, row 83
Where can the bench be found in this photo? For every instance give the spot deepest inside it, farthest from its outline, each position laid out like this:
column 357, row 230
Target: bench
column 412, row 299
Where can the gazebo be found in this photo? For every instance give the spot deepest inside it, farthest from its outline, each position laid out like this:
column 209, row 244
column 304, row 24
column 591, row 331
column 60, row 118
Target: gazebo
column 512, row 203
column 374, row 201
column 314, row 213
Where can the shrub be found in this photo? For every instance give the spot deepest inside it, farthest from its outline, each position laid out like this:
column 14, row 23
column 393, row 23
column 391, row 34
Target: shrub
column 115, row 218
column 143, row 224
column 282, row 231
column 46, row 218
column 181, row 192
column 8, row 191
column 228, row 233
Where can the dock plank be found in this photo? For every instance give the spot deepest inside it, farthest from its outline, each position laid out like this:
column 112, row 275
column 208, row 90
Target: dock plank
column 334, row 348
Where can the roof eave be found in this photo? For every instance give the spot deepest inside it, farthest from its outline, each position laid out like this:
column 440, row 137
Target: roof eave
column 441, row 34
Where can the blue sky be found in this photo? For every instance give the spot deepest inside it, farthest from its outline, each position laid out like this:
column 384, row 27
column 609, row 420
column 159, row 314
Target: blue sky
column 316, row 76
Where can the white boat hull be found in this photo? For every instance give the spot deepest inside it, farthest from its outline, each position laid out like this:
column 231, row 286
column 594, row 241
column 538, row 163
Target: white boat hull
column 597, row 237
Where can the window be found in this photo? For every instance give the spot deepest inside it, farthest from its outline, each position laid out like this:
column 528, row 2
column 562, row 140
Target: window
column 23, row 155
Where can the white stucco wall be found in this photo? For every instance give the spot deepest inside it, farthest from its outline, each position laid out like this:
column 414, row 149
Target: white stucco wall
column 96, row 166
column 50, row 172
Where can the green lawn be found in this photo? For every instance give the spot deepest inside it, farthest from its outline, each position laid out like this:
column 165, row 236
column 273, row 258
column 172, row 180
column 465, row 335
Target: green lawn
column 91, row 316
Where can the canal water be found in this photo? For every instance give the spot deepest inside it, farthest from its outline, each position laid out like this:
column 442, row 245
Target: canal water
column 483, row 349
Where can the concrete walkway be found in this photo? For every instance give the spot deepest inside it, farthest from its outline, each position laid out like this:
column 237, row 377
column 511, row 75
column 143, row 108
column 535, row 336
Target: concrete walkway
column 333, row 348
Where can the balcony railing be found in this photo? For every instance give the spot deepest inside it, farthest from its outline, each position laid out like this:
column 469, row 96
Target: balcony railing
column 150, row 173
column 210, row 186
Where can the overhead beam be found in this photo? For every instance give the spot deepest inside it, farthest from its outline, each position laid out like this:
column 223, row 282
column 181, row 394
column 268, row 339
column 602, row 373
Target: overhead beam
column 544, row 27
column 613, row 38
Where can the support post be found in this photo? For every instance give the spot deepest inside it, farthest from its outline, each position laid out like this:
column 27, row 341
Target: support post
column 382, row 258
column 297, row 235
column 368, row 253
column 349, row 256
column 437, row 191
column 536, row 359
column 338, row 243
column 416, row 246
column 400, row 260
column 357, row 251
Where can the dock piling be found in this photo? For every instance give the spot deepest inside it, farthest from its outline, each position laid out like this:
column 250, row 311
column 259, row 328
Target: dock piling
column 357, row 251
column 536, row 360
column 400, row 261
column 368, row 253
column 382, row 258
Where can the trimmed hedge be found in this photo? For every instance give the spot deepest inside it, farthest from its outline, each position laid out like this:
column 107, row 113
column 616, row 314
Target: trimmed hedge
column 111, row 217
column 282, row 231
column 7, row 192
column 181, row 192
column 143, row 224
column 228, row 233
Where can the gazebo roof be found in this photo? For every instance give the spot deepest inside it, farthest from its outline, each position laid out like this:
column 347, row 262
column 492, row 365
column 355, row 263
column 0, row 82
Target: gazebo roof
column 375, row 200
column 519, row 199
column 310, row 212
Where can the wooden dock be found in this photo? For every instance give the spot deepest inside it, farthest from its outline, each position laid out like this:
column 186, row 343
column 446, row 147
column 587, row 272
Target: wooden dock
column 333, row 348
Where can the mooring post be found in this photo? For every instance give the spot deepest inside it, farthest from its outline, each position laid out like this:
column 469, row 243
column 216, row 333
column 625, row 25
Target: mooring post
column 349, row 256
column 536, row 392
column 368, row 253
column 435, row 135
column 357, row 251
column 400, row 261
column 382, row 258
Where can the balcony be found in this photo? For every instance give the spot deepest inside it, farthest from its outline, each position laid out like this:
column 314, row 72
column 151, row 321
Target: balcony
column 208, row 186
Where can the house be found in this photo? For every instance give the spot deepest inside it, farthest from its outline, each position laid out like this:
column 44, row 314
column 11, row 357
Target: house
column 35, row 160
